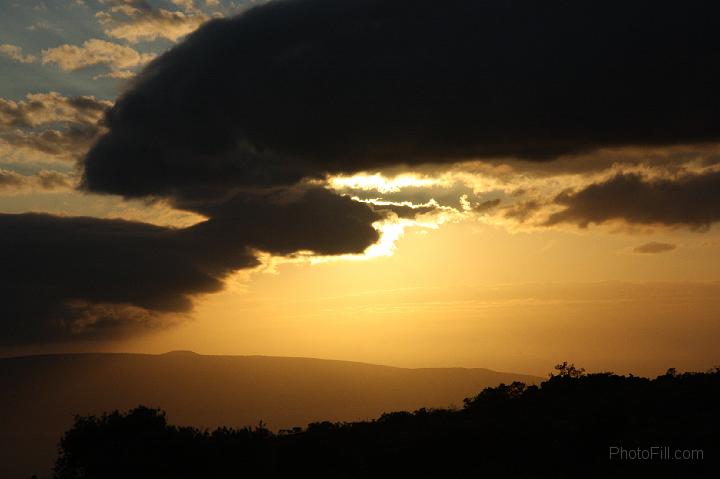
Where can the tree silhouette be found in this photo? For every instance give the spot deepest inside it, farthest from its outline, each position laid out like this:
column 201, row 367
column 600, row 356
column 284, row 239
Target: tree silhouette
column 565, row 370
column 565, row 428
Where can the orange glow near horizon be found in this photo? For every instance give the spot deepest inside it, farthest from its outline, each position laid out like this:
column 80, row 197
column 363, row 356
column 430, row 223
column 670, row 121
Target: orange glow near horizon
column 452, row 287
column 473, row 296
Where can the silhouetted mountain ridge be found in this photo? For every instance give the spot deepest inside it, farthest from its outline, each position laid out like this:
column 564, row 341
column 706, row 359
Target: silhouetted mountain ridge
column 208, row 391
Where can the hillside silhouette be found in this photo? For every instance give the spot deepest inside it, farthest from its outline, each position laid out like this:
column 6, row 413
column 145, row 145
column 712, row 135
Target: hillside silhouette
column 566, row 427
column 41, row 394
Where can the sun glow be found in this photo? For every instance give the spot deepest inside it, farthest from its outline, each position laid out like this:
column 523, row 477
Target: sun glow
column 381, row 183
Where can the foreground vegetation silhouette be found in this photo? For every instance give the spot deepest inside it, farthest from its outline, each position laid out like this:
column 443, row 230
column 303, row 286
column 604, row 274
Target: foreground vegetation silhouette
column 566, row 427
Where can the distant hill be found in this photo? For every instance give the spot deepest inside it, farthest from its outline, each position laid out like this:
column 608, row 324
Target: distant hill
column 40, row 394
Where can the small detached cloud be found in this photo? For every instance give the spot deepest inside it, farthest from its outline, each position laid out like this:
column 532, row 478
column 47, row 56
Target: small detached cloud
column 654, row 247
column 137, row 21
column 50, row 126
column 43, row 108
column 14, row 52
column 95, row 52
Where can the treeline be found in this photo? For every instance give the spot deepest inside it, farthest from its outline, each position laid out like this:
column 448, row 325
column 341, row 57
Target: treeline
column 573, row 425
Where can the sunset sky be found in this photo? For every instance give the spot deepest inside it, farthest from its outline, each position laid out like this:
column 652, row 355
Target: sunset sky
column 505, row 185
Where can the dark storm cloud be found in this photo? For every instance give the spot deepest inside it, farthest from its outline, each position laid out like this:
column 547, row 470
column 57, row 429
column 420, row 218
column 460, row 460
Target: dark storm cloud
column 302, row 87
column 287, row 221
column 60, row 273
column 654, row 247
column 91, row 278
column 692, row 201
column 230, row 123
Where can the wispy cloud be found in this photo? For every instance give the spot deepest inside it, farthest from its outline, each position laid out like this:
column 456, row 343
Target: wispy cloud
column 654, row 247
column 137, row 21
column 95, row 52
column 45, row 180
column 48, row 126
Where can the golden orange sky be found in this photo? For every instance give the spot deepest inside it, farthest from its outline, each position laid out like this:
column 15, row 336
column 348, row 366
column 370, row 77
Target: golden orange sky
column 472, row 294
column 475, row 296
column 511, row 207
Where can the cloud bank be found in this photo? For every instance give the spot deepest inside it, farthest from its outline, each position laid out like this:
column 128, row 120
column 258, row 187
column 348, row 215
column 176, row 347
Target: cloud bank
column 67, row 278
column 244, row 120
column 88, row 277
column 295, row 89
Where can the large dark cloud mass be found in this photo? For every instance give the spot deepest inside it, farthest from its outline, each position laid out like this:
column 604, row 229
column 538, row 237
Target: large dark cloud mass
column 235, row 121
column 287, row 221
column 89, row 277
column 297, row 88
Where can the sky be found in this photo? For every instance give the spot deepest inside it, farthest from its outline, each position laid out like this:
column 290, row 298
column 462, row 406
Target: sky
column 477, row 184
